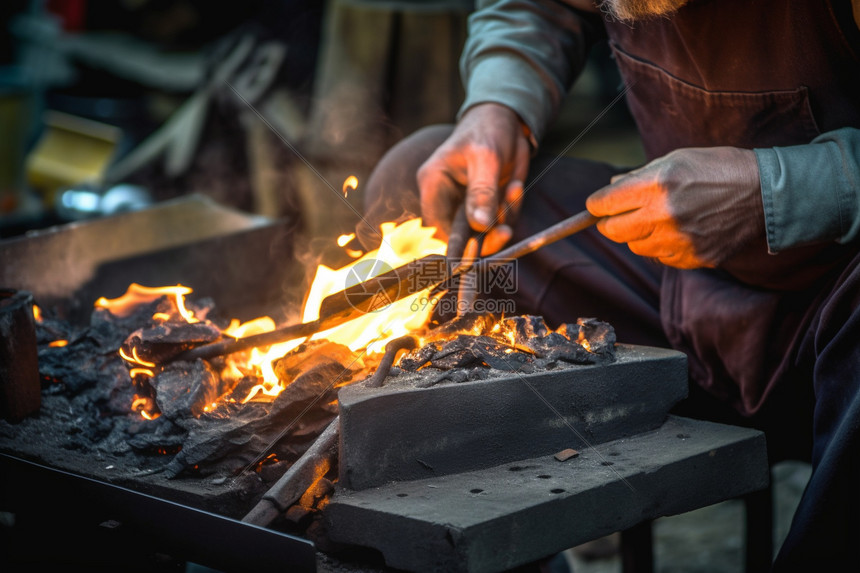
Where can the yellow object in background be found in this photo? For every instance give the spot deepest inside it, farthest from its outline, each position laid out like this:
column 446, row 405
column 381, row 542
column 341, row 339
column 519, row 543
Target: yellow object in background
column 71, row 151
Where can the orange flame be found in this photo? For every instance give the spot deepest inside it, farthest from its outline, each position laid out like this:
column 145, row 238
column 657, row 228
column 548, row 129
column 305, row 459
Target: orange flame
column 401, row 244
column 37, row 313
column 351, row 182
column 143, row 406
column 141, row 372
column 259, row 360
column 136, row 295
column 135, row 359
column 58, row 343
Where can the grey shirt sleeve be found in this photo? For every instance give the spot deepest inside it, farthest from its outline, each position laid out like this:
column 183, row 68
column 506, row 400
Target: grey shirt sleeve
column 811, row 193
column 524, row 55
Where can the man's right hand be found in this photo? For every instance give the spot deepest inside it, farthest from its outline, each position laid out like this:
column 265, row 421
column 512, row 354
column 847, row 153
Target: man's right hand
column 487, row 156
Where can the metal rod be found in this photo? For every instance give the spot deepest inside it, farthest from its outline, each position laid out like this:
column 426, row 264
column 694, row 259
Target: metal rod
column 560, row 230
column 459, row 235
column 391, row 349
column 335, row 309
column 466, row 296
column 228, row 346
column 314, row 463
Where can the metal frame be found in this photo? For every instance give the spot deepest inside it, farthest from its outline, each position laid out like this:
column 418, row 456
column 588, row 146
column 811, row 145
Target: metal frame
column 76, row 505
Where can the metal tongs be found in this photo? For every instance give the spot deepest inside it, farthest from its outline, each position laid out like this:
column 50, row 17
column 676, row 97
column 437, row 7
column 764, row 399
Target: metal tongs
column 480, row 267
column 399, row 283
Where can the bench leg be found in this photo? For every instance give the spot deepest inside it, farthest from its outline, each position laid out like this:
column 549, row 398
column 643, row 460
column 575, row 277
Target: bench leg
column 637, row 549
column 759, row 531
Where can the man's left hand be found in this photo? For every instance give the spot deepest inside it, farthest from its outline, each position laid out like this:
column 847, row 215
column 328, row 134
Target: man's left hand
column 691, row 208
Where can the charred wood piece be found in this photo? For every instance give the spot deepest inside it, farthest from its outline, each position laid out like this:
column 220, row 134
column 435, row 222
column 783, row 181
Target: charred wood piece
column 475, row 323
column 600, row 336
column 525, row 328
column 20, row 389
column 227, row 437
column 313, row 354
column 162, row 342
column 186, row 388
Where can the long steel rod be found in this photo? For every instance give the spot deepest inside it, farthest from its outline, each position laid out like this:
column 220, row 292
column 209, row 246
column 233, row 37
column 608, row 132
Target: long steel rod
column 560, row 230
column 314, row 463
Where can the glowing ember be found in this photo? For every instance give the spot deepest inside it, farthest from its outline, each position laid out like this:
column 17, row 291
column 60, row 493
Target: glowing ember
column 58, row 343
column 583, row 341
column 270, row 459
column 351, row 182
column 344, row 240
column 37, row 313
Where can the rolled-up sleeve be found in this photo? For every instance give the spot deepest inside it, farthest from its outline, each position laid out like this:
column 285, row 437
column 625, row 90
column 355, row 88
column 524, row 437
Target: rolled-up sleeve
column 524, row 55
column 811, row 193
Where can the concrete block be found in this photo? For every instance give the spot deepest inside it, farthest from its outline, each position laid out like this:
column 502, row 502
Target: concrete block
column 502, row 517
column 398, row 433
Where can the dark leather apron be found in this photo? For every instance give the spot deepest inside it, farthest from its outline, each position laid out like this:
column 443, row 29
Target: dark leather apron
column 745, row 74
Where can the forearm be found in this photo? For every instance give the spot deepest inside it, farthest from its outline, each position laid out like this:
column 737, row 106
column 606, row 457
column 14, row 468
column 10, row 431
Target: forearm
column 811, row 193
column 524, row 55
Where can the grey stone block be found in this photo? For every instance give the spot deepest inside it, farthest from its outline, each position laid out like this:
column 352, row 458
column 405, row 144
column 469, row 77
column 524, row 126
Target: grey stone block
column 498, row 518
column 400, row 433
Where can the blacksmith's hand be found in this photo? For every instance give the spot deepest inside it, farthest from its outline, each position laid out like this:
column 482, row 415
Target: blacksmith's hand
column 691, row 208
column 484, row 162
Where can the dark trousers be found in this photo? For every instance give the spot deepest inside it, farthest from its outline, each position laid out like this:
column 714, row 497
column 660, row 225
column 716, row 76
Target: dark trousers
column 808, row 370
